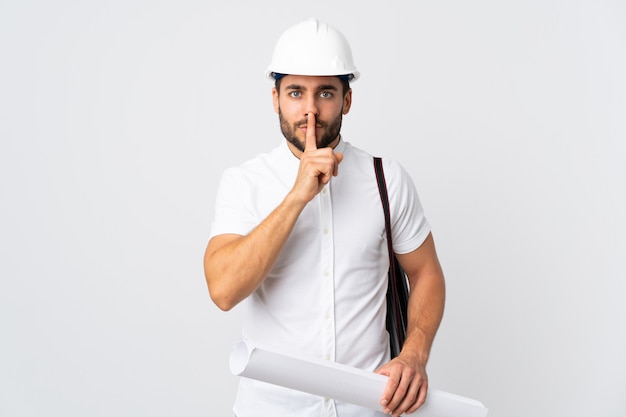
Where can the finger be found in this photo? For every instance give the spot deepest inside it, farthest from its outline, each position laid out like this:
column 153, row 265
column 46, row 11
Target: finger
column 310, row 139
column 390, row 389
column 339, row 158
column 410, row 402
column 401, row 398
column 421, row 398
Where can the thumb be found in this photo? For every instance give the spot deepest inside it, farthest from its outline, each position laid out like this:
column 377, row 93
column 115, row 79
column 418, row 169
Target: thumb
column 339, row 157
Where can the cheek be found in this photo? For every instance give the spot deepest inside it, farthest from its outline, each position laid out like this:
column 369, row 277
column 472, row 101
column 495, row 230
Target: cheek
column 285, row 108
column 332, row 112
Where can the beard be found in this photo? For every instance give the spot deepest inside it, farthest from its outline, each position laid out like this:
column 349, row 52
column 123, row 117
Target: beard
column 330, row 131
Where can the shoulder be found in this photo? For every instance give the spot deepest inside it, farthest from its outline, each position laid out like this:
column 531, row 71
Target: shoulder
column 366, row 158
column 272, row 162
column 394, row 172
column 256, row 161
column 393, row 167
column 361, row 162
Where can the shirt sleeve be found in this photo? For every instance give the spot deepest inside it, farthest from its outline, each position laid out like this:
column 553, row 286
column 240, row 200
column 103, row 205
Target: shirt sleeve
column 409, row 226
column 233, row 209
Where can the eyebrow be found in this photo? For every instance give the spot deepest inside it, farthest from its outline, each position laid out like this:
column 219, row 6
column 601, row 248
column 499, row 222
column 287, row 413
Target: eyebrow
column 319, row 88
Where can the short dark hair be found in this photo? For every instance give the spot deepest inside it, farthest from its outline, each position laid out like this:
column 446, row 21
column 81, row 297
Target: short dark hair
column 345, row 84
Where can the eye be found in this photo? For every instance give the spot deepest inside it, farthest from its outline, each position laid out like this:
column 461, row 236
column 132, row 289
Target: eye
column 326, row 94
column 295, row 94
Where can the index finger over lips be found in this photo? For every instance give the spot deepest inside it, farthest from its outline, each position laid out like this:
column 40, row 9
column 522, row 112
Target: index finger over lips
column 310, row 139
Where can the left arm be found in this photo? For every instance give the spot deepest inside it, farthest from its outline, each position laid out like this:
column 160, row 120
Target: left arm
column 408, row 383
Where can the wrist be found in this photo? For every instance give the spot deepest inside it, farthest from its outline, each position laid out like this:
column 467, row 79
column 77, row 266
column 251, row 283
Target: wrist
column 415, row 351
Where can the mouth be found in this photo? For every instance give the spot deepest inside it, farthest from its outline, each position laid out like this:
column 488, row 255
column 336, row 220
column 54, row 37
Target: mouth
column 304, row 126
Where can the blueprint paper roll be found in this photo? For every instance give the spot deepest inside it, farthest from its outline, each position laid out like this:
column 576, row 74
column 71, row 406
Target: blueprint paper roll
column 312, row 375
column 338, row 381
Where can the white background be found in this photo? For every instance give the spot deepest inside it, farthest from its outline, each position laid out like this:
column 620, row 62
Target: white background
column 117, row 118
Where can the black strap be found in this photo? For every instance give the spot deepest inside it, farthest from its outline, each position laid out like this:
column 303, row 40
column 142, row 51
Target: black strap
column 398, row 288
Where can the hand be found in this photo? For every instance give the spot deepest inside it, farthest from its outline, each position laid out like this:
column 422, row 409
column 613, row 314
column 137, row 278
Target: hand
column 317, row 166
column 407, row 386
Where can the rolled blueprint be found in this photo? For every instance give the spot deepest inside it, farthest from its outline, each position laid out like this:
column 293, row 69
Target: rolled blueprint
column 338, row 381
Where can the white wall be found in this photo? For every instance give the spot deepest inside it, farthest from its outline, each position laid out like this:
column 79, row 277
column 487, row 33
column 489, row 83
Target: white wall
column 117, row 118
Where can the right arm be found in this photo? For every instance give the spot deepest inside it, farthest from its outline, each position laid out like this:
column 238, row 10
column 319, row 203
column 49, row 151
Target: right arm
column 235, row 265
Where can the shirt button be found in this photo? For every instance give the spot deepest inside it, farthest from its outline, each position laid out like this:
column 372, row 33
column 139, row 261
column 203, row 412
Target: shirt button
column 326, row 230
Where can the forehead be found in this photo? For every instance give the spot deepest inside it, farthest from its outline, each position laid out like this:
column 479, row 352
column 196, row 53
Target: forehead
column 310, row 82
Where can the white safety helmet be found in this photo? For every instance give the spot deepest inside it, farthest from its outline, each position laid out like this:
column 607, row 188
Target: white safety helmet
column 312, row 48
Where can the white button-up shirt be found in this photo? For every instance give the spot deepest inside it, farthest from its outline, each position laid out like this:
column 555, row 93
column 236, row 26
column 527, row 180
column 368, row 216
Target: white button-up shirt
column 325, row 296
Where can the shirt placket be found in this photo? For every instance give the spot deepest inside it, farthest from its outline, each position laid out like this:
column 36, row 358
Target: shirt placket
column 327, row 286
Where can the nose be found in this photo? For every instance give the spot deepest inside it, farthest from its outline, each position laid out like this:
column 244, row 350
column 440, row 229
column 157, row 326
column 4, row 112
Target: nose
column 310, row 106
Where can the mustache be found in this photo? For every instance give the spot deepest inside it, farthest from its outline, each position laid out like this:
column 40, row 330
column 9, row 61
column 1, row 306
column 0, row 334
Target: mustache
column 304, row 123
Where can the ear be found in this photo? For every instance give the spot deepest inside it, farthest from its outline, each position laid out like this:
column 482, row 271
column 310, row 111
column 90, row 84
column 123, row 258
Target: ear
column 275, row 100
column 347, row 101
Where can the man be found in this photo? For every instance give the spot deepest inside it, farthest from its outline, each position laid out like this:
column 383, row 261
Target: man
column 299, row 233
